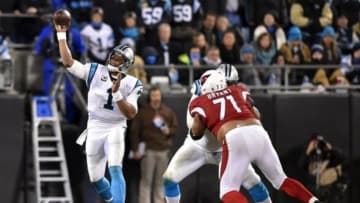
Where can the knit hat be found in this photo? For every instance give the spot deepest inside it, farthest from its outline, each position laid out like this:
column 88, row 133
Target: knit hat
column 317, row 48
column 260, row 30
column 328, row 30
column 247, row 49
column 294, row 34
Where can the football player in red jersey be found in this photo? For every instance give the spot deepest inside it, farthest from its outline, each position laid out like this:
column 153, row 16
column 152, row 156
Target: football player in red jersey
column 228, row 113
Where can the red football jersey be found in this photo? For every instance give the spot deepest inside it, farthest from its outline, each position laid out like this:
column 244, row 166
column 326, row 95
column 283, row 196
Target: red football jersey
column 216, row 108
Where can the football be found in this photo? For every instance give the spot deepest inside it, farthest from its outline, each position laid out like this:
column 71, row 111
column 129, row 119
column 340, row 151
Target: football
column 62, row 17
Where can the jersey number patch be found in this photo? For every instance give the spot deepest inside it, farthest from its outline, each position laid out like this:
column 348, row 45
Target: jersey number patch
column 222, row 103
column 109, row 105
column 152, row 16
column 182, row 13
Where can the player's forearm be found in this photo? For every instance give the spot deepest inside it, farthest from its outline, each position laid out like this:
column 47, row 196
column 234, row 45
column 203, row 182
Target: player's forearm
column 127, row 109
column 65, row 53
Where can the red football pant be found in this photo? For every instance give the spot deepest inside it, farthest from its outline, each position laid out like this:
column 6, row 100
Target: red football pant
column 295, row 189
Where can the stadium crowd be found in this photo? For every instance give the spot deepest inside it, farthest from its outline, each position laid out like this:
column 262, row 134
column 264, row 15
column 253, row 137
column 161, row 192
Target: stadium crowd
column 198, row 32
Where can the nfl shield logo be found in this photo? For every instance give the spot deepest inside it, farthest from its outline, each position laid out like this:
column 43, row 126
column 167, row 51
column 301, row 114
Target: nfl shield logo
column 104, row 78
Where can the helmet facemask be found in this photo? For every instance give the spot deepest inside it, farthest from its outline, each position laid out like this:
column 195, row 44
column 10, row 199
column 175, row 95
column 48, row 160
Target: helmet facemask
column 120, row 59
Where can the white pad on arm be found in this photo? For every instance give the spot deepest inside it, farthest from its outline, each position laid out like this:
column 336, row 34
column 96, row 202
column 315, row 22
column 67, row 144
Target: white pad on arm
column 78, row 69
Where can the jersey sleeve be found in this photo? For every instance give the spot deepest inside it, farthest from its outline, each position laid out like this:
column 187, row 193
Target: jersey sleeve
column 135, row 94
column 196, row 109
column 189, row 118
column 80, row 70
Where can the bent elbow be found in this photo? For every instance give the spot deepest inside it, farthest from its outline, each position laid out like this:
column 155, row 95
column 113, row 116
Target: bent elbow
column 68, row 63
column 131, row 115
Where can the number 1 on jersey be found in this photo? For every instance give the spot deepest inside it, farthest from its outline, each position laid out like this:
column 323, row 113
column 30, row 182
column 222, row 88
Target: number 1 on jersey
column 109, row 105
column 222, row 103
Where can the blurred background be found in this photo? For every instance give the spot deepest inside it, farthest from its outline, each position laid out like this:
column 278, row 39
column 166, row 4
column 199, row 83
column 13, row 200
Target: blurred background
column 300, row 59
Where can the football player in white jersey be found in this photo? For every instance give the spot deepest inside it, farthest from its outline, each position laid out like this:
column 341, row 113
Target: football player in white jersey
column 195, row 153
column 112, row 99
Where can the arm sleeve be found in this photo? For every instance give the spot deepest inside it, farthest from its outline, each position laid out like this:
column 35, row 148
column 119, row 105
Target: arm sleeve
column 79, row 70
column 196, row 109
column 135, row 94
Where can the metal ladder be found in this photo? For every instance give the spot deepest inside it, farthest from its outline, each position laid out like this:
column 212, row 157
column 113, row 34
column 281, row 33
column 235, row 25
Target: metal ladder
column 51, row 174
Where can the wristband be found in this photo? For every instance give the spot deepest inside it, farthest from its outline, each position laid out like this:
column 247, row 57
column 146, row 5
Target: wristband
column 117, row 96
column 61, row 36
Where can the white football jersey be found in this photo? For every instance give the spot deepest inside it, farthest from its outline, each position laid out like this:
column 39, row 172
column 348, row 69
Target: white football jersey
column 101, row 106
column 99, row 41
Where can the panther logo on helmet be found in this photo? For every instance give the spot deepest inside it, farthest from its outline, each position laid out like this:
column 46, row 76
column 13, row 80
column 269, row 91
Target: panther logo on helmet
column 230, row 72
column 120, row 58
column 212, row 80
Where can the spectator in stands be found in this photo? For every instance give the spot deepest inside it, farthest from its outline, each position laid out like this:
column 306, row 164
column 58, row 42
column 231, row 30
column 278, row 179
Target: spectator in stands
column 150, row 57
column 332, row 53
column 264, row 45
column 229, row 48
column 151, row 14
column 278, row 62
column 4, row 48
column 98, row 37
column 137, row 69
column 349, row 8
column 186, row 18
column 265, row 51
column 212, row 57
column 113, row 9
column 222, row 25
column 352, row 73
column 249, row 75
column 344, row 34
column 208, row 28
column 296, row 52
column 234, row 12
column 199, row 41
column 155, row 124
column 271, row 25
column 47, row 46
column 322, row 76
column 311, row 16
column 167, row 49
column 255, row 10
column 213, row 6
column 80, row 10
column 129, row 28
